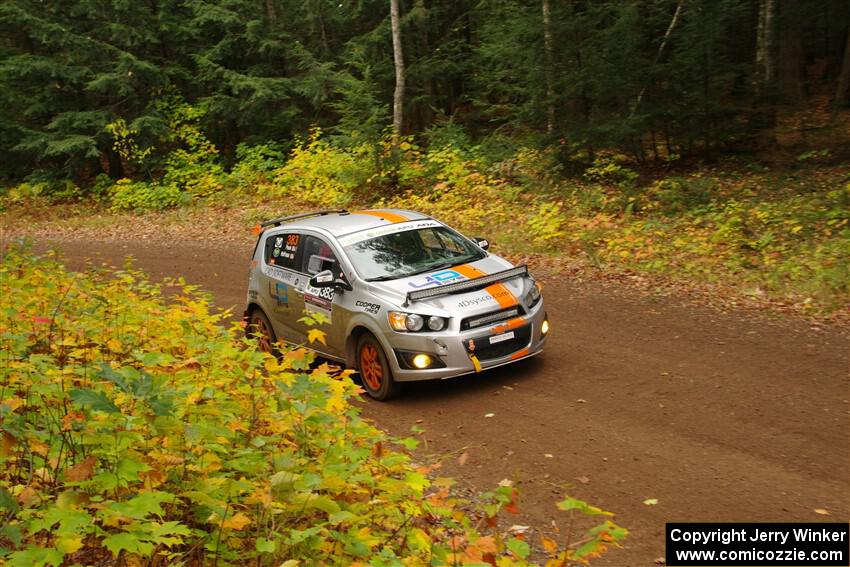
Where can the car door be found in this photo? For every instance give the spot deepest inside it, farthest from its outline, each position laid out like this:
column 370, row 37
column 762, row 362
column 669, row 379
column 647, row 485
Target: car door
column 318, row 255
column 282, row 285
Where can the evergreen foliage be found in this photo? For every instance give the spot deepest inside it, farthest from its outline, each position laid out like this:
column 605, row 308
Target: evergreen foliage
column 655, row 79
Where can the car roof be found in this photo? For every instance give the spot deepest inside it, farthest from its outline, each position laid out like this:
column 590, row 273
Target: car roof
column 339, row 223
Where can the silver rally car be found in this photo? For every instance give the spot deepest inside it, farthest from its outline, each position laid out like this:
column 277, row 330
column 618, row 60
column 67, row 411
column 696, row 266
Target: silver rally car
column 407, row 298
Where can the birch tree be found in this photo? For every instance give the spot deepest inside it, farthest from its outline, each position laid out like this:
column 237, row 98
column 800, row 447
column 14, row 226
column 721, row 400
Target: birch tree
column 398, row 62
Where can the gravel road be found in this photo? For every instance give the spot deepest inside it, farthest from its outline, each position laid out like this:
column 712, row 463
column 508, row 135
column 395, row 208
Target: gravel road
column 720, row 417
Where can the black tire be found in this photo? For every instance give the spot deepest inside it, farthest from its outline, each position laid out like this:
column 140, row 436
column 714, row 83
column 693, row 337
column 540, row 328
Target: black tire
column 375, row 374
column 260, row 327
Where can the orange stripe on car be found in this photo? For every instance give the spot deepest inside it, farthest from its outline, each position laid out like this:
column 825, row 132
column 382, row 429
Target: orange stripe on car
column 519, row 354
column 387, row 216
column 508, row 325
column 500, row 293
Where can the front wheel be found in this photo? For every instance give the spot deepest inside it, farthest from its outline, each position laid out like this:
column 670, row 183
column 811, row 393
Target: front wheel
column 374, row 370
column 260, row 328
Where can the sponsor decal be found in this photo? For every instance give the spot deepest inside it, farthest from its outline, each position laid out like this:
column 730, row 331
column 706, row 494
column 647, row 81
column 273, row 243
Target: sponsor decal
column 253, row 294
column 371, row 233
column 439, row 278
column 276, row 252
column 278, row 242
column 319, row 300
column 281, row 275
column 279, row 292
column 372, row 308
column 495, row 295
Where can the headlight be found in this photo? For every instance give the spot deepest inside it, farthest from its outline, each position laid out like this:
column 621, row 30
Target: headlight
column 412, row 322
column 533, row 295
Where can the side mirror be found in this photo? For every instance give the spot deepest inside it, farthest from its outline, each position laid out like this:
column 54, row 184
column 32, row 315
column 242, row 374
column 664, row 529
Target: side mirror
column 322, row 279
column 483, row 243
column 326, row 279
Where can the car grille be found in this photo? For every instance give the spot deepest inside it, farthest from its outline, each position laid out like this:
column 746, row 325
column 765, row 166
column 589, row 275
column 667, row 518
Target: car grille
column 490, row 318
column 486, row 351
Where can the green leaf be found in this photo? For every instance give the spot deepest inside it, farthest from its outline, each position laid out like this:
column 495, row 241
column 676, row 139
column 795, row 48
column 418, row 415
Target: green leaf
column 264, row 545
column 408, row 443
column 340, row 517
column 583, row 507
column 141, row 506
column 128, row 469
column 129, row 542
column 518, row 547
column 323, row 503
column 34, row 556
column 297, row 536
column 97, row 401
column 416, row 481
column 7, row 501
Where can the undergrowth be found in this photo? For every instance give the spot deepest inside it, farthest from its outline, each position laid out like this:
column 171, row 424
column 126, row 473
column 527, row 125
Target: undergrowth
column 771, row 234
column 139, row 431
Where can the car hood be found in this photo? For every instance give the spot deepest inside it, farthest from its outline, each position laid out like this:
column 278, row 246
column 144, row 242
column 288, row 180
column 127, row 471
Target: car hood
column 465, row 302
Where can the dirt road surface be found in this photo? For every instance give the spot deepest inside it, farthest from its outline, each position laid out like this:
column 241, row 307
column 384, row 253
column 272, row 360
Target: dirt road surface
column 719, row 417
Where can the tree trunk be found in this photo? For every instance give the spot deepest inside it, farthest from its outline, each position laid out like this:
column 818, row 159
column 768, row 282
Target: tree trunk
column 766, row 45
column 660, row 52
column 270, row 11
column 790, row 56
column 398, row 60
column 843, row 78
column 550, row 80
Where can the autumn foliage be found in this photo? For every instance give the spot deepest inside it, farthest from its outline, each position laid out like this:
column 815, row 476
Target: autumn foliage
column 137, row 429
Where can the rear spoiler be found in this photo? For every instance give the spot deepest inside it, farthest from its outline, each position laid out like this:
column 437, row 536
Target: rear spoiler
column 467, row 285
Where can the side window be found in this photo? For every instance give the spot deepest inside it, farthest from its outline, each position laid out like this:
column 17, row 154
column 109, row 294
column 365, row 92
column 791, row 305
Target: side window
column 317, row 256
column 282, row 250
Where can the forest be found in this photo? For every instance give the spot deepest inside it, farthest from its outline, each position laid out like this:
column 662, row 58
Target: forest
column 657, row 80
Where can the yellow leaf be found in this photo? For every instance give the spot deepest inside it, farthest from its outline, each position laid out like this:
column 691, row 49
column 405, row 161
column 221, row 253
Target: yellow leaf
column 69, row 544
column 13, row 403
column 236, row 522
column 550, row 545
column 822, row 511
column 314, row 335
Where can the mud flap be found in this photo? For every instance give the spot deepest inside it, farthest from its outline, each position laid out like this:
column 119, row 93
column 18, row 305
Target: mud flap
column 470, row 350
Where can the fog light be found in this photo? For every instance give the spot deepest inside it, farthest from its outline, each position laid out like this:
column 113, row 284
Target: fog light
column 421, row 361
column 544, row 328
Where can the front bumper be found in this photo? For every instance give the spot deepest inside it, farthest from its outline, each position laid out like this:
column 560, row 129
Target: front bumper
column 494, row 345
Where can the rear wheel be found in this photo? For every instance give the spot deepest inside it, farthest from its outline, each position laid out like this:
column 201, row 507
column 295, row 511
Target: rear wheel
column 374, row 370
column 261, row 329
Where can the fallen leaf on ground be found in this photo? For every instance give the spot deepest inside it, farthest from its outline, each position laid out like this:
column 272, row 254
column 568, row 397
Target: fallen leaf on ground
column 489, row 415
column 651, row 501
column 462, row 459
column 822, row 511
column 518, row 529
column 583, row 479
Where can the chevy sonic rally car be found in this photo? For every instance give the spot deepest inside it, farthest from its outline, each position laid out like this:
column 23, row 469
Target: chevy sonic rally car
column 407, row 298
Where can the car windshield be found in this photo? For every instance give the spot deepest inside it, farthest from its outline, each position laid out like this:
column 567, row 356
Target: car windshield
column 411, row 252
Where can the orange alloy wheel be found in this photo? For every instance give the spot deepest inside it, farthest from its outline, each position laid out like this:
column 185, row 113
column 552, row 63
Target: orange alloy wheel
column 370, row 367
column 261, row 329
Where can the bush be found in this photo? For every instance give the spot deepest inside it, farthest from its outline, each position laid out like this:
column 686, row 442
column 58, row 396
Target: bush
column 138, row 430
column 254, row 164
column 138, row 195
column 319, row 173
